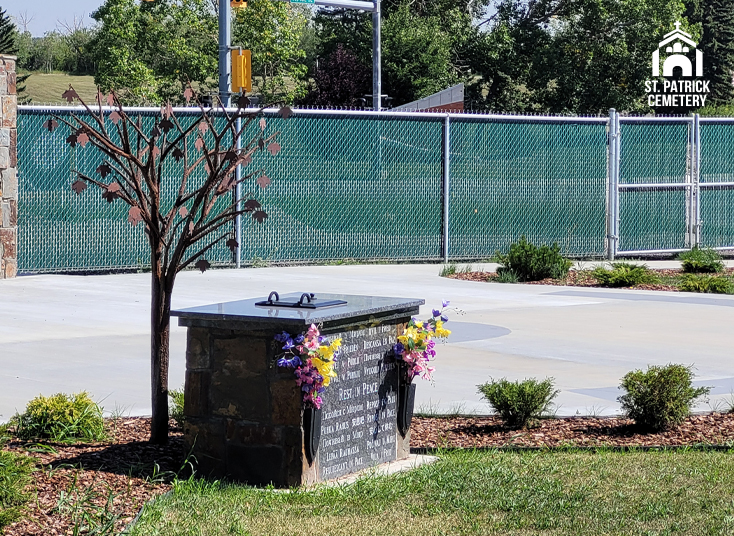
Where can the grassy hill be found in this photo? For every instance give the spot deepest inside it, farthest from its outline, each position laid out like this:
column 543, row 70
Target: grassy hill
column 47, row 88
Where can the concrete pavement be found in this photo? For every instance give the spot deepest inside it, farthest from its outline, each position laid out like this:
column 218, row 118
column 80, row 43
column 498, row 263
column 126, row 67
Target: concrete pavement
column 71, row 333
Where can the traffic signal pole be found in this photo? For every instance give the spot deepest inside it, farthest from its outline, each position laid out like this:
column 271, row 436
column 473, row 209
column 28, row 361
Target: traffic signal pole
column 376, row 59
column 225, row 40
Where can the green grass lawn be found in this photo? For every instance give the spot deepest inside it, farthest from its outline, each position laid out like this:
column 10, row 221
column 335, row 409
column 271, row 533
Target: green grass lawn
column 561, row 493
column 47, row 88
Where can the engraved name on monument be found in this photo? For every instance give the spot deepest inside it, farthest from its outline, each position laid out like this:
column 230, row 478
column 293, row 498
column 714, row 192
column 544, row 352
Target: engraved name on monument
column 358, row 428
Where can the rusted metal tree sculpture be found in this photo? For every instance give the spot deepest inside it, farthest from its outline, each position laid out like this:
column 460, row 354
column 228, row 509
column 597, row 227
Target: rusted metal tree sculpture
column 180, row 231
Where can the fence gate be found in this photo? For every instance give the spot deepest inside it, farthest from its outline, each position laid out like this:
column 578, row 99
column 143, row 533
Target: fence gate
column 665, row 195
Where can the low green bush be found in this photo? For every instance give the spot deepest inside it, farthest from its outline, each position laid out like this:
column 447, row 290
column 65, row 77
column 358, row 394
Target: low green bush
column 624, row 274
column 661, row 397
column 15, row 476
column 507, row 276
column 701, row 261
column 533, row 263
column 61, row 417
column 176, row 406
column 706, row 283
column 520, row 402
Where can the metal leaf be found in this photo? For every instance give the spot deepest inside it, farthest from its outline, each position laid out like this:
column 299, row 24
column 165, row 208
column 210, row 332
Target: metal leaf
column 183, row 212
column 110, row 193
column 82, row 139
column 199, row 144
column 285, row 112
column 260, row 143
column 188, row 94
column 259, row 216
column 104, row 170
column 166, row 125
column 203, row 265
column 230, row 156
column 263, row 181
column 274, row 148
column 203, row 127
column 156, row 151
column 115, row 117
column 69, row 95
column 243, row 102
column 134, row 216
column 251, row 205
column 78, row 186
column 71, row 140
column 232, row 244
column 263, row 123
column 110, row 99
column 50, row 125
column 155, row 132
column 178, row 154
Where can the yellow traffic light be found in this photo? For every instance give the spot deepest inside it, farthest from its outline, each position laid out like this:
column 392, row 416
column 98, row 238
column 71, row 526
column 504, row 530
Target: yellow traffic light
column 237, row 4
column 241, row 71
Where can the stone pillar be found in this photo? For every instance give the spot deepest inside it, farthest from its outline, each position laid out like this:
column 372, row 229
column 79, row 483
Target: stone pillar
column 8, row 169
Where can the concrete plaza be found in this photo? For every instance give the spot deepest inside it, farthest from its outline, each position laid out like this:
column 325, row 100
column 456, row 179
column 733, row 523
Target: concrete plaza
column 71, row 333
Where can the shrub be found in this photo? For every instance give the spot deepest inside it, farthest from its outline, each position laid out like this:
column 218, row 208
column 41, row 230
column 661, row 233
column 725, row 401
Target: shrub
column 60, row 418
column 447, row 270
column 517, row 403
column 176, row 406
column 706, row 283
column 15, row 471
column 697, row 260
column 624, row 274
column 507, row 276
column 660, row 398
column 533, row 263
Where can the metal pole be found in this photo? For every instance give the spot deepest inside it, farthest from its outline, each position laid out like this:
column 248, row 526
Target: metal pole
column 446, row 184
column 376, row 59
column 696, row 169
column 238, row 200
column 610, row 187
column 617, row 163
column 225, row 39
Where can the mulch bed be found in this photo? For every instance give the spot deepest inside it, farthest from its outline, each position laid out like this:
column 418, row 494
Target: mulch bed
column 131, row 471
column 127, row 469
column 581, row 278
column 488, row 432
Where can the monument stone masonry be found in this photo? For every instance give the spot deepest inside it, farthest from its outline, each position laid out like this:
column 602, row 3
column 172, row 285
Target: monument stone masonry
column 245, row 419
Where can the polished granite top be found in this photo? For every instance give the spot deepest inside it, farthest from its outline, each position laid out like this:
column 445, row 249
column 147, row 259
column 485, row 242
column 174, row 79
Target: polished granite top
column 247, row 311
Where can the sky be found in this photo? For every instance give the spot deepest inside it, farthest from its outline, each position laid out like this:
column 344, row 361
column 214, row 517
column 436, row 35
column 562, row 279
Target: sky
column 45, row 15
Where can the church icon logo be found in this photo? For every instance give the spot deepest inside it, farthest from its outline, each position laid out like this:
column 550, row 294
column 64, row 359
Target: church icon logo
column 678, row 47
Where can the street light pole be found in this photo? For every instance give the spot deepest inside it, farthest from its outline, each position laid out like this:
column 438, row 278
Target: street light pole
column 376, row 59
column 225, row 39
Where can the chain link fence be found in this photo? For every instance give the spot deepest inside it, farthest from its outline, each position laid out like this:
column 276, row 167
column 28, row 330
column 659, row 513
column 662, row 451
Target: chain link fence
column 405, row 187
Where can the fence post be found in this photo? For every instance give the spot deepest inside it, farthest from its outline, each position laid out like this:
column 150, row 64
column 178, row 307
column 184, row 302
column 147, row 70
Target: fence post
column 238, row 200
column 612, row 184
column 696, row 176
column 446, row 185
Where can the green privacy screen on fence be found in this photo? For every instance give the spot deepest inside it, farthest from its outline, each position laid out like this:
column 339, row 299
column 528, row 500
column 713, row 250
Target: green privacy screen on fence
column 342, row 187
column 543, row 179
column 653, row 153
column 371, row 186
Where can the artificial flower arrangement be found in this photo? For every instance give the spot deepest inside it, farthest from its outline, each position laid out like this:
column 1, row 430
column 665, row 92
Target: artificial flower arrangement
column 312, row 361
column 415, row 347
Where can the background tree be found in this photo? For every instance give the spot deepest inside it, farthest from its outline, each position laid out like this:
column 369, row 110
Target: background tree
column 340, row 80
column 562, row 56
column 148, row 51
column 181, row 230
column 273, row 32
column 423, row 43
column 9, row 37
column 716, row 19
